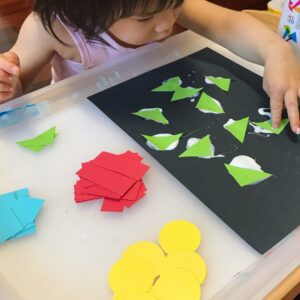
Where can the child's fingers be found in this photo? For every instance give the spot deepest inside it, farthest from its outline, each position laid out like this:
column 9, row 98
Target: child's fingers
column 291, row 104
column 6, row 77
column 4, row 87
column 9, row 66
column 276, row 109
column 12, row 57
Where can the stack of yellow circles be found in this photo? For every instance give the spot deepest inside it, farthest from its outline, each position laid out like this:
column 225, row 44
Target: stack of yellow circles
column 173, row 272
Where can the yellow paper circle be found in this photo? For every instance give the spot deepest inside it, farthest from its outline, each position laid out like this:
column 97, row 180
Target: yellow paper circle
column 171, row 289
column 149, row 251
column 186, row 277
column 179, row 235
column 144, row 296
column 131, row 275
column 189, row 261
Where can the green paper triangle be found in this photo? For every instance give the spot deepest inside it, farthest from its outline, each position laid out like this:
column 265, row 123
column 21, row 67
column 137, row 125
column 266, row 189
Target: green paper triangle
column 268, row 125
column 185, row 92
column 153, row 114
column 238, row 128
column 246, row 176
column 169, row 85
column 203, row 148
column 220, row 82
column 162, row 142
column 36, row 144
column 209, row 104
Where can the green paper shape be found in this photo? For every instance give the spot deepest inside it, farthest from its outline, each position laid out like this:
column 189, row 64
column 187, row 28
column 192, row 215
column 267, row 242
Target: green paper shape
column 39, row 142
column 153, row 114
column 185, row 92
column 208, row 103
column 268, row 125
column 169, row 85
column 238, row 128
column 245, row 176
column 203, row 148
column 220, row 82
column 162, row 142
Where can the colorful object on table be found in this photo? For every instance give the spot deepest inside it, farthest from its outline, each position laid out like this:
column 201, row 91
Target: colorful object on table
column 237, row 128
column 146, row 272
column 268, row 126
column 180, row 93
column 39, row 142
column 208, row 104
column 246, row 171
column 153, row 114
column 11, row 116
column 116, row 178
column 169, row 85
column 185, row 92
column 199, row 148
column 220, row 82
column 288, row 35
column 18, row 212
column 163, row 141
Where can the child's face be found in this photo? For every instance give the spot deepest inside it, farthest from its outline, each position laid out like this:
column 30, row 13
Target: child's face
column 140, row 30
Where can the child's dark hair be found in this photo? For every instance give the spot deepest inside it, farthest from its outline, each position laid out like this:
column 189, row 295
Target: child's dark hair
column 93, row 17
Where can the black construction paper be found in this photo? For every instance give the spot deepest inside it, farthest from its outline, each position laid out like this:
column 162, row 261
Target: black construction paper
column 262, row 214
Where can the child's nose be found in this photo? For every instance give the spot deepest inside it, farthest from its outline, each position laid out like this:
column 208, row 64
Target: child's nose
column 165, row 21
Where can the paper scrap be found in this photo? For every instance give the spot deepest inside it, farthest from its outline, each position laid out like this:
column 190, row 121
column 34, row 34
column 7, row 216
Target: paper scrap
column 169, row 85
column 163, row 141
column 220, row 82
column 18, row 212
column 185, row 92
column 208, row 104
column 267, row 125
column 237, row 128
column 115, row 178
column 246, row 171
column 37, row 143
column 153, row 114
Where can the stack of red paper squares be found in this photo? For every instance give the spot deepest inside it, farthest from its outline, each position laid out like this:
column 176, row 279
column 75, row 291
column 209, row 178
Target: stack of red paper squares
column 116, row 178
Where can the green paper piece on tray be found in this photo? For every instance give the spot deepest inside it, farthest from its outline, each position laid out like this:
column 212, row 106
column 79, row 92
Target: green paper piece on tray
column 268, row 125
column 202, row 148
column 220, row 82
column 245, row 176
column 154, row 114
column 209, row 104
column 39, row 142
column 185, row 92
column 238, row 128
column 162, row 142
column 169, row 85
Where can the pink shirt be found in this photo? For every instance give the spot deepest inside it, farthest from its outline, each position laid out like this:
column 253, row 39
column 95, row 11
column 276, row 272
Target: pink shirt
column 92, row 54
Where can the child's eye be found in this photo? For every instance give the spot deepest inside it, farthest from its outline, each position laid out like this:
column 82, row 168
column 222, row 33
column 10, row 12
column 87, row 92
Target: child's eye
column 144, row 19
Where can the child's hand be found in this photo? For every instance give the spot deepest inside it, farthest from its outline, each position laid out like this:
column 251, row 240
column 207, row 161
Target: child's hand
column 9, row 75
column 282, row 84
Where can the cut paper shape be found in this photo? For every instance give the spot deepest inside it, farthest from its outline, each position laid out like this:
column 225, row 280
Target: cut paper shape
column 179, row 235
column 39, row 142
column 153, row 114
column 144, row 272
column 11, row 116
column 18, row 212
column 131, row 275
column 208, row 104
column 189, row 261
column 115, row 178
column 169, row 85
column 220, row 82
column 201, row 148
column 237, row 128
column 185, row 92
column 246, row 171
column 163, row 141
column 267, row 125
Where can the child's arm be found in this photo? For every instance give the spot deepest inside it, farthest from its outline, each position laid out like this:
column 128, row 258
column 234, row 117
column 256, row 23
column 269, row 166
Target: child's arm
column 253, row 41
column 18, row 67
